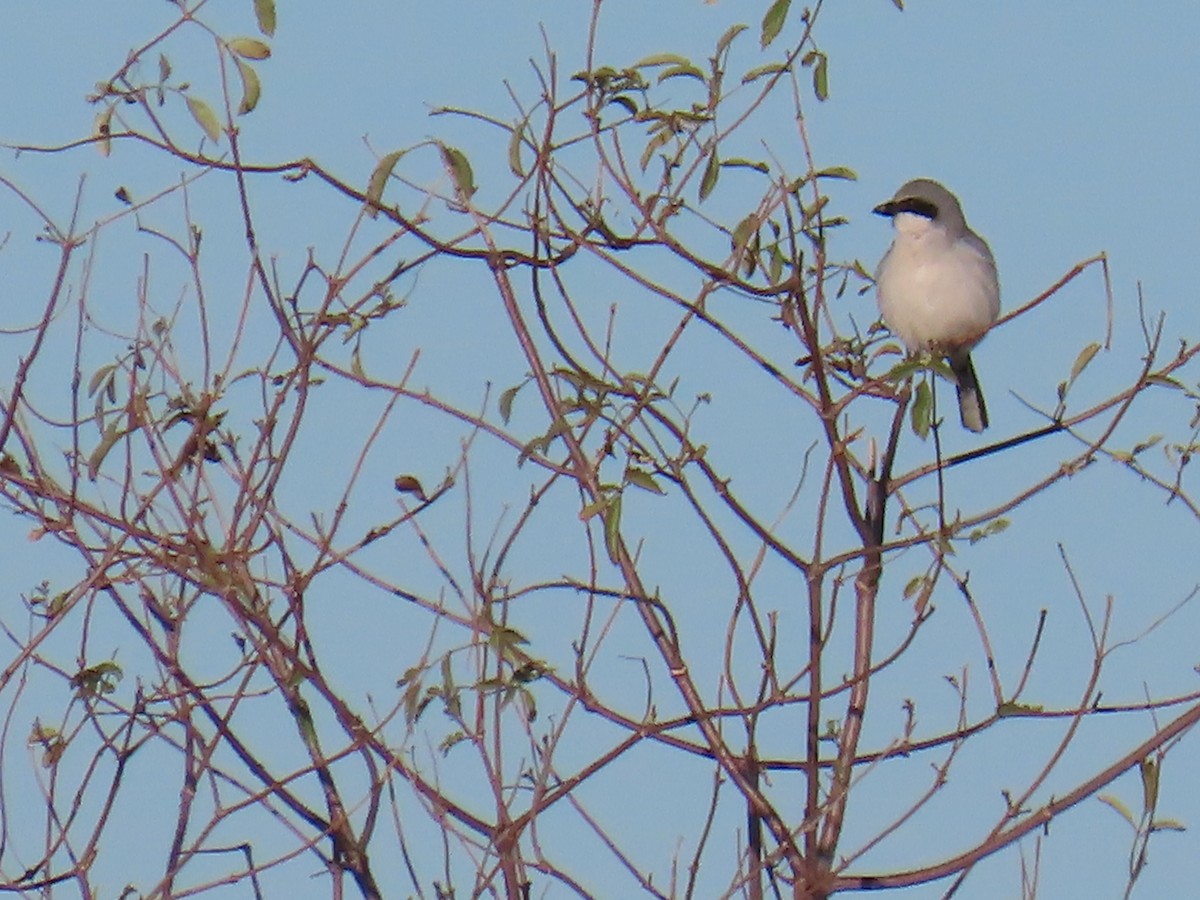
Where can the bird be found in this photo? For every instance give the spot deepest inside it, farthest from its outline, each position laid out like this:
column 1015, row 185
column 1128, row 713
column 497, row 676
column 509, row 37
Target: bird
column 937, row 285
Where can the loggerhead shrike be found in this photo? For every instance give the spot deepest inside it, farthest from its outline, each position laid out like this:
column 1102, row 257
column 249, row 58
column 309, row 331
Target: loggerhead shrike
column 937, row 285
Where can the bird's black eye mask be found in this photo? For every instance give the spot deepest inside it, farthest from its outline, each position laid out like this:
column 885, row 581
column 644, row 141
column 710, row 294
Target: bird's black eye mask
column 913, row 205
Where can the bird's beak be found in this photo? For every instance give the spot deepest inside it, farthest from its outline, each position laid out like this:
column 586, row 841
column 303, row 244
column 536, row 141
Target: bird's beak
column 886, row 209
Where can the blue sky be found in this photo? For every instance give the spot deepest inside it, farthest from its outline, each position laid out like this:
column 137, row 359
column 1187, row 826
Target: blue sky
column 1066, row 129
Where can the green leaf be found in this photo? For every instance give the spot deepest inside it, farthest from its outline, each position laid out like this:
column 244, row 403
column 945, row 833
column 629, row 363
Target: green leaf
column 514, row 148
column 413, row 707
column 304, row 721
column 506, row 401
column 996, row 526
column 528, row 704
column 1086, row 355
column 1165, row 381
column 711, row 172
column 581, row 380
column 409, row 674
column 750, row 255
column 738, row 163
column 111, row 435
column 205, row 118
column 1008, row 708
column 684, row 71
column 772, row 22
column 537, row 445
column 99, row 679
column 379, row 178
column 249, row 48
column 1119, row 807
column 1167, row 825
column 759, row 71
column 450, row 741
column 842, row 172
column 1143, row 446
column 745, row 230
column 775, row 263
column 264, row 11
column 1149, row 772
column 922, row 410
column 813, row 210
column 612, row 529
column 164, row 67
column 460, row 170
column 820, row 66
column 921, row 591
column 821, row 78
column 643, row 479
column 912, row 364
column 625, row 102
column 102, row 375
column 595, row 508
column 728, row 37
column 662, row 59
column 506, row 640
column 251, row 87
column 655, row 143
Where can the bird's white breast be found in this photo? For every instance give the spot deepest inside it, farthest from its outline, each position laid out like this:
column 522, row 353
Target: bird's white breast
column 936, row 292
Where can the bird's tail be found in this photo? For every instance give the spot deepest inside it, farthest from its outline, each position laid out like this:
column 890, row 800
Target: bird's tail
column 971, row 407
